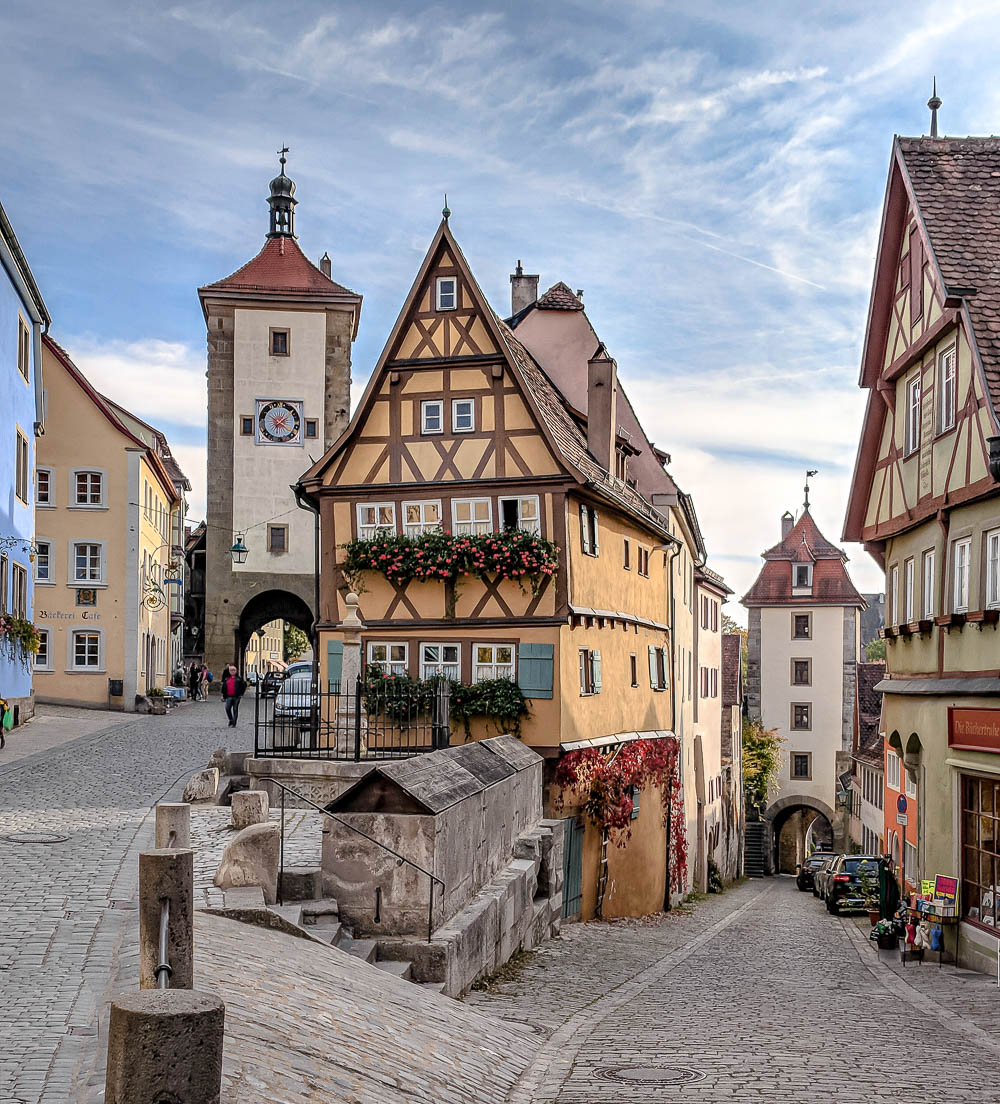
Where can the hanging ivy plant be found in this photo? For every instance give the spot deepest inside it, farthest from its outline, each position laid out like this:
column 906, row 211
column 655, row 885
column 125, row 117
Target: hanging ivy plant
column 19, row 639
column 514, row 554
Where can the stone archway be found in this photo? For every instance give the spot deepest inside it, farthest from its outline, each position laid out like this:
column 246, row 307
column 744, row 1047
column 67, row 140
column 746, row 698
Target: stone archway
column 271, row 605
column 793, row 820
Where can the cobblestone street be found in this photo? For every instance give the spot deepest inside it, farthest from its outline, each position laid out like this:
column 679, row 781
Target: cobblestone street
column 65, row 906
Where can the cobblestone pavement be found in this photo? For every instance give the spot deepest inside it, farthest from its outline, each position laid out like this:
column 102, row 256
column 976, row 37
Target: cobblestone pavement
column 54, row 725
column 755, row 995
column 64, row 907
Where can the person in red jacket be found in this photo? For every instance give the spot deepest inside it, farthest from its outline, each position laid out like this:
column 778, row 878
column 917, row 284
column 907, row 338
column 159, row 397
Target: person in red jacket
column 233, row 688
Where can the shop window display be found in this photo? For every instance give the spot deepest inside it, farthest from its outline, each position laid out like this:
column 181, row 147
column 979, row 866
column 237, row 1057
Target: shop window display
column 980, row 860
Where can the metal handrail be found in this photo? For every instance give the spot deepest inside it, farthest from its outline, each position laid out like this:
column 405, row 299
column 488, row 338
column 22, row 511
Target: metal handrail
column 326, row 812
column 163, row 971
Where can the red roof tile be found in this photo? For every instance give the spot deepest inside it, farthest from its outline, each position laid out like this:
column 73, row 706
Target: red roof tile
column 281, row 266
column 559, row 297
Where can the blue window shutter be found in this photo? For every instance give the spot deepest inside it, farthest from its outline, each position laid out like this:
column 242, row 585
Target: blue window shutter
column 534, row 669
column 334, row 662
column 595, row 659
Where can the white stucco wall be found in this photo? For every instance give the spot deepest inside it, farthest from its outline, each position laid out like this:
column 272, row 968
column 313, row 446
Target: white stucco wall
column 264, row 472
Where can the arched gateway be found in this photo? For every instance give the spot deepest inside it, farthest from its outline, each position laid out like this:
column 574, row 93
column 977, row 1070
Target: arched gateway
column 798, row 826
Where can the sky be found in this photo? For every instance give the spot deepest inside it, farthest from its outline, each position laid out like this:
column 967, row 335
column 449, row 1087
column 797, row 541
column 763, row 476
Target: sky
column 711, row 175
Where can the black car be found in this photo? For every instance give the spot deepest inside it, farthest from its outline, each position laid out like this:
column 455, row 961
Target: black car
column 805, row 879
column 843, row 882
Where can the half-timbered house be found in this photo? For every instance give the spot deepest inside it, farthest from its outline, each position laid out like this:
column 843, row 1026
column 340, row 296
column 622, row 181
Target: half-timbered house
column 462, row 434
column 925, row 501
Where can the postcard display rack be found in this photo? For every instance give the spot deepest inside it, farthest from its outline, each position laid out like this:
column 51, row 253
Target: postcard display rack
column 934, row 910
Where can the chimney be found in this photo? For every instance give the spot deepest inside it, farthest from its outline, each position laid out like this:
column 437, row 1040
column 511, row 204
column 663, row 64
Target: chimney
column 787, row 521
column 324, row 265
column 523, row 290
column 602, row 408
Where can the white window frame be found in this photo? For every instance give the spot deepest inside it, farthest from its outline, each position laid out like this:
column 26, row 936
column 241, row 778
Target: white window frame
column 428, row 668
column 993, row 569
column 894, row 590
column 947, row 389
column 455, row 404
column 72, row 667
column 911, row 786
column 89, row 583
column 909, row 598
column 369, row 532
column 418, row 528
column 494, row 669
column 19, row 582
column 441, row 292
column 425, row 406
column 48, row 579
column 591, row 678
column 471, row 529
column 892, row 764
column 74, row 503
column 390, row 665
column 912, row 861
column 929, row 570
column 911, row 434
column 45, row 644
column 961, row 568
column 529, row 525
column 50, row 501
column 807, row 585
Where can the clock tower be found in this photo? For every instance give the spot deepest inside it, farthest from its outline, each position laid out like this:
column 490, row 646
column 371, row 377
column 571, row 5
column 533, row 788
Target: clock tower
column 280, row 332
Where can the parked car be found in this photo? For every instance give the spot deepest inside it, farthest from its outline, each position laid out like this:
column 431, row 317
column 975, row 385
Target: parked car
column 299, row 667
column 292, row 701
column 820, row 876
column 843, row 882
column 805, row 879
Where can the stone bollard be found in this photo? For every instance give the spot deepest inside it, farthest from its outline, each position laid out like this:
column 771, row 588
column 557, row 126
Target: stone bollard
column 202, row 786
column 165, row 1045
column 166, row 873
column 173, row 816
column 249, row 807
column 251, row 859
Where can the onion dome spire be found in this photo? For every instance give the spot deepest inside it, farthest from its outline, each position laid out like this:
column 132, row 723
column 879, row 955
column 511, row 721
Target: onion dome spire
column 282, row 202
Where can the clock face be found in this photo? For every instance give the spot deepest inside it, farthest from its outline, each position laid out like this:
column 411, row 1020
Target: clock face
column 279, row 421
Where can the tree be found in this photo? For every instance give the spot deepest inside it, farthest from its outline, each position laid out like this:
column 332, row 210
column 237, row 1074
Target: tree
column 296, row 642
column 761, row 764
column 875, row 650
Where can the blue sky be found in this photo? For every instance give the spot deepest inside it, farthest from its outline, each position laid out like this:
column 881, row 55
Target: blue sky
column 711, row 175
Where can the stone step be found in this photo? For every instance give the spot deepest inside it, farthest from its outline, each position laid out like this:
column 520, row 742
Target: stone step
column 365, row 949
column 403, row 970
column 334, row 934
column 315, row 912
column 291, row 913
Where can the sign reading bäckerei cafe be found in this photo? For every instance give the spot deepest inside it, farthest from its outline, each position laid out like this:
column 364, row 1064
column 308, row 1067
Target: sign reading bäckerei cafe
column 974, row 729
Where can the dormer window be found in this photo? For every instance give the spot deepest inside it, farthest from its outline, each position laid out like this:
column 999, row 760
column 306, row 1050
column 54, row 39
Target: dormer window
column 802, row 578
column 621, row 464
column 447, row 293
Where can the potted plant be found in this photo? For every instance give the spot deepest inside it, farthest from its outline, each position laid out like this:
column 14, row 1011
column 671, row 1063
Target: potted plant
column 157, row 700
column 868, row 885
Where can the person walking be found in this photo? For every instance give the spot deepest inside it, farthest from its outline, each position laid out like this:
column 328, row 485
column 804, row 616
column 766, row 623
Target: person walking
column 194, row 677
column 204, row 678
column 233, row 688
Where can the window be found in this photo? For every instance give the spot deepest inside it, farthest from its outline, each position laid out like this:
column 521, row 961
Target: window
column 589, row 532
column 621, row 465
column 246, row 426
column 635, row 794
column 627, row 561
column 892, row 770
column 714, row 682
column 642, row 555
column 86, row 650
column 893, row 603
column 279, row 342
column 521, row 513
column 87, row 564
column 23, row 347
column 801, row 626
column 704, row 612
column 312, row 427
column 946, row 391
column 801, row 716
column 447, row 293
column 432, row 416
column 440, row 659
column 909, row 598
column 88, row 489
column 802, row 672
column 802, row 764
column 492, row 661
column 378, row 517
column 929, row 605
column 43, row 657
column 470, row 516
column 421, row 517
column 911, row 786
column 911, row 435
column 703, row 681
column 19, row 590
column 803, row 576
column 393, row 658
column 590, row 672
column 980, row 861
column 633, row 668
column 993, row 568
column 4, row 582
column 277, row 538
column 715, row 617
column 463, row 415
column 962, row 552
column 658, row 668
column 21, row 467
column 44, row 495
column 43, row 562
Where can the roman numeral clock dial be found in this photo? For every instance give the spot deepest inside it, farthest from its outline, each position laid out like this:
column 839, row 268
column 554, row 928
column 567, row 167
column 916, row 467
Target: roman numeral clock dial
column 279, row 422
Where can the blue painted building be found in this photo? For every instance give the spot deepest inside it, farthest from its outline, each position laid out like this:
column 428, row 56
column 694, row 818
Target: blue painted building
column 22, row 419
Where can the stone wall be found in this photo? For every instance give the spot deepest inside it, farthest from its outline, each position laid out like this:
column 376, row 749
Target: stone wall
column 752, row 692
column 320, row 780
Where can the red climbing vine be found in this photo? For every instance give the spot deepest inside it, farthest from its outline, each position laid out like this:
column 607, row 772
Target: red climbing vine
column 604, row 780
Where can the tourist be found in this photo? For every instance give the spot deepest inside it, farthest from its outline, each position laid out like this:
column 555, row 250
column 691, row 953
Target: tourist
column 233, row 688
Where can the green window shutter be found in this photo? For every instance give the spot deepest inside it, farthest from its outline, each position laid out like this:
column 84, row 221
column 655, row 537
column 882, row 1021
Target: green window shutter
column 653, row 675
column 595, row 659
column 535, row 669
column 584, row 531
column 597, row 539
column 334, row 663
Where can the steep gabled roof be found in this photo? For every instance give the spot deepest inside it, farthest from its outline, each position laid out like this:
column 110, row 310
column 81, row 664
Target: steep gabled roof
column 162, row 444
column 12, row 254
column 281, row 266
column 559, row 297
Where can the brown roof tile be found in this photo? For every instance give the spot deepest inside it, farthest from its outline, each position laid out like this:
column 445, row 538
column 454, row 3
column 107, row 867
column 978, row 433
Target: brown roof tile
column 869, row 711
column 559, row 297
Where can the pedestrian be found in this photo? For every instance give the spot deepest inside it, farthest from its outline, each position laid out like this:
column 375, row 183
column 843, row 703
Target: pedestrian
column 204, row 678
column 193, row 678
column 233, row 688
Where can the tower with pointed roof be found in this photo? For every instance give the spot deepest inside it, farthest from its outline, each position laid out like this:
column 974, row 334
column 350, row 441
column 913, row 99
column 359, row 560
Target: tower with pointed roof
column 280, row 331
column 803, row 647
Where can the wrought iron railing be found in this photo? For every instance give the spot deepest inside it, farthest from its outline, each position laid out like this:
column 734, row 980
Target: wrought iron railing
column 369, row 720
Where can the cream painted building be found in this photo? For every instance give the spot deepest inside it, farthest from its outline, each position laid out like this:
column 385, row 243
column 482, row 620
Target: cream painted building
column 265, row 651
column 105, row 503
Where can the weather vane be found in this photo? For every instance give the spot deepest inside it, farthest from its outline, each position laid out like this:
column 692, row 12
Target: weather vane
column 281, row 157
column 810, row 472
